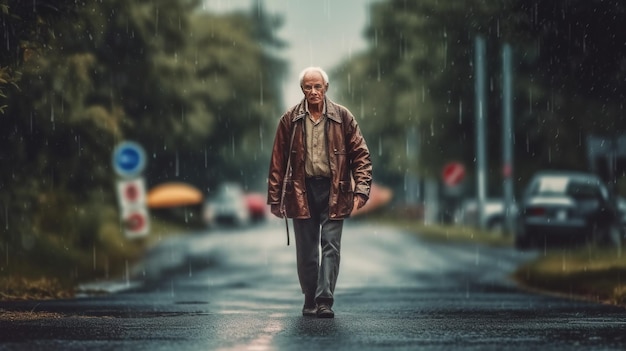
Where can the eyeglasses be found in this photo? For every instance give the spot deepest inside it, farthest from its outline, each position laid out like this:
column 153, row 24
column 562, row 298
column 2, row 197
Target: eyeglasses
column 317, row 87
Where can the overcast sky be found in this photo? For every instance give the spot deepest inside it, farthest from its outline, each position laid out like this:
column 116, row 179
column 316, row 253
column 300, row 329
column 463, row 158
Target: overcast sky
column 319, row 33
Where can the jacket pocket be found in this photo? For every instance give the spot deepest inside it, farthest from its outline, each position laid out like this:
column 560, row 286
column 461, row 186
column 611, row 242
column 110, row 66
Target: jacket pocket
column 345, row 201
column 345, row 186
column 289, row 186
column 294, row 198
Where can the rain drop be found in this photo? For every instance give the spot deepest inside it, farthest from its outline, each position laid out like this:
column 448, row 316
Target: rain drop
column 126, row 273
column 177, row 165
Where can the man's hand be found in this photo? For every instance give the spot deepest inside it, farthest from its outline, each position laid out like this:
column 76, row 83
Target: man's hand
column 275, row 209
column 359, row 201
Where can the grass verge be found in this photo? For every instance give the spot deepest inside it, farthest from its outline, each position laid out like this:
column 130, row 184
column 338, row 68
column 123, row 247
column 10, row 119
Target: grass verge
column 51, row 270
column 591, row 273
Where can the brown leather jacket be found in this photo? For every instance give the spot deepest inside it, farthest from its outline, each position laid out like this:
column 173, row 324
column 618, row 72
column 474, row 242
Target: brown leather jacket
column 349, row 160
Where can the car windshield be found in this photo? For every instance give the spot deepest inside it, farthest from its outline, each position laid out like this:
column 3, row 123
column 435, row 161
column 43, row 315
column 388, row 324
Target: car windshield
column 552, row 186
column 565, row 186
column 229, row 192
column 583, row 190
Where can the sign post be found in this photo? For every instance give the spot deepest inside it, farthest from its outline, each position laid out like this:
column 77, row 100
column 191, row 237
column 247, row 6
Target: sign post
column 135, row 222
column 129, row 161
column 453, row 173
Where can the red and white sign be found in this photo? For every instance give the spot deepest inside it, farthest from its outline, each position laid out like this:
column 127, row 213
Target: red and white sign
column 453, row 173
column 131, row 192
column 131, row 195
column 135, row 222
column 507, row 170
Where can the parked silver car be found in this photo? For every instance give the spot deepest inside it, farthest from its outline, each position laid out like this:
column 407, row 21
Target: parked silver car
column 227, row 206
column 563, row 207
column 494, row 213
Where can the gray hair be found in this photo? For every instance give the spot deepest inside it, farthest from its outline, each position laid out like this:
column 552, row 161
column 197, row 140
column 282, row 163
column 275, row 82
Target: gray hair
column 314, row 69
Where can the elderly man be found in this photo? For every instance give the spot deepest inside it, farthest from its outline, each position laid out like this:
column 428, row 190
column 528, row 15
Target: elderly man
column 320, row 170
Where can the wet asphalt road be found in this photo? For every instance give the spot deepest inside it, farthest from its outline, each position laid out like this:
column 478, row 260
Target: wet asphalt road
column 237, row 290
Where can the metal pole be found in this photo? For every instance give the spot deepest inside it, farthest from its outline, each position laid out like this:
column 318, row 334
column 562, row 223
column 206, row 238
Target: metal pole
column 410, row 177
column 507, row 137
column 480, row 114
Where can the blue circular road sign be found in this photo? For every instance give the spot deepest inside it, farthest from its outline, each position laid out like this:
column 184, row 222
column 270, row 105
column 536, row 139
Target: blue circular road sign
column 129, row 159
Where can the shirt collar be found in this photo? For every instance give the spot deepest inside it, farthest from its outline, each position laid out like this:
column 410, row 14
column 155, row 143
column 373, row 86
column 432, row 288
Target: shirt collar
column 306, row 107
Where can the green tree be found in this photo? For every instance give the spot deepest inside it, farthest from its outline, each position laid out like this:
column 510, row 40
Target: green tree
column 192, row 87
column 572, row 79
column 26, row 27
column 419, row 72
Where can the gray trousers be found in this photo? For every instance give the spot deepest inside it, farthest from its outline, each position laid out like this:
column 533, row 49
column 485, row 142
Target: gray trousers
column 318, row 277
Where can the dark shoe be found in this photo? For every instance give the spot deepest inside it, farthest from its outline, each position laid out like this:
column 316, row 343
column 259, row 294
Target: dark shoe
column 310, row 307
column 324, row 311
column 309, row 311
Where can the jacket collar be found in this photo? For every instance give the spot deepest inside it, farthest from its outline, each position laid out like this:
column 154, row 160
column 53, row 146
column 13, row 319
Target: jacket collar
column 332, row 111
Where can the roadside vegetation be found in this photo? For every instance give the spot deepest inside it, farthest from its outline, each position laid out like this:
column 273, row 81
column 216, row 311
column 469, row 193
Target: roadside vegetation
column 199, row 91
column 587, row 272
column 52, row 270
